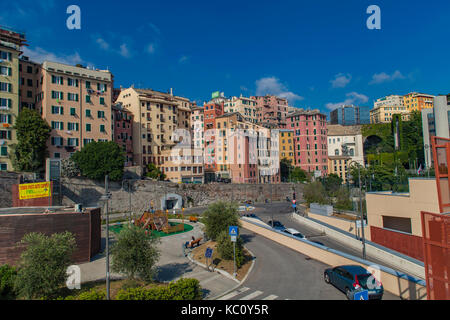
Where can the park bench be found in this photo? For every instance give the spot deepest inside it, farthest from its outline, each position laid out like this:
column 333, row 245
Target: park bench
column 193, row 219
column 194, row 243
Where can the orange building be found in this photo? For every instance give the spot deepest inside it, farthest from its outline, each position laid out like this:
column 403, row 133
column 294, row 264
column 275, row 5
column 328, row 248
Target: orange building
column 287, row 145
column 417, row 101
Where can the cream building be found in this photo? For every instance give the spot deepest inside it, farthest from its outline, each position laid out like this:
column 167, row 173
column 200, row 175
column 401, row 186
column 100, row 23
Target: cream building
column 76, row 103
column 245, row 106
column 10, row 46
column 386, row 107
column 181, row 165
column 157, row 115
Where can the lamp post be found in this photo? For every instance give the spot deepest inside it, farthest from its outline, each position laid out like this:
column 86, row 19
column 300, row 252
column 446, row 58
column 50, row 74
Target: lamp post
column 361, row 208
column 105, row 198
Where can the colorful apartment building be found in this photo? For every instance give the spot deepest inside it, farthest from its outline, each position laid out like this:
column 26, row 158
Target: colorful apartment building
column 211, row 111
column 180, row 165
column 197, row 130
column 415, row 101
column 384, row 108
column 346, row 141
column 271, row 109
column 310, row 139
column 286, row 138
column 10, row 49
column 157, row 116
column 123, row 131
column 76, row 103
column 30, row 74
column 245, row 106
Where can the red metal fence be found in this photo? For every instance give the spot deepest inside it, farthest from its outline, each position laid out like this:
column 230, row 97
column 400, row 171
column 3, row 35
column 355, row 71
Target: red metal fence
column 404, row 243
column 436, row 247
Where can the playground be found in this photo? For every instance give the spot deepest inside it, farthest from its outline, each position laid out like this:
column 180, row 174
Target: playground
column 157, row 224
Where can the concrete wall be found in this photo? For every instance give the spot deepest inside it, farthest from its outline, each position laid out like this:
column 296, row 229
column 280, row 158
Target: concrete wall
column 88, row 193
column 415, row 268
column 7, row 180
column 344, row 225
column 393, row 281
column 422, row 197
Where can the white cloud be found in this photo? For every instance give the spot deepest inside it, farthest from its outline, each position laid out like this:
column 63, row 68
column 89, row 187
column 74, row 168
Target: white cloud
column 40, row 55
column 243, row 88
column 124, row 51
column 272, row 85
column 341, row 80
column 183, row 59
column 382, row 77
column 102, row 43
column 151, row 48
column 352, row 98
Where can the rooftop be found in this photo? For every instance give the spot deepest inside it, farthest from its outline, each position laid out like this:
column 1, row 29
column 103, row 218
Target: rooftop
column 340, row 130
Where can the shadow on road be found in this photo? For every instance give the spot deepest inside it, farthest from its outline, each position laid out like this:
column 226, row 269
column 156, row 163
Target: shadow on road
column 172, row 271
column 246, row 238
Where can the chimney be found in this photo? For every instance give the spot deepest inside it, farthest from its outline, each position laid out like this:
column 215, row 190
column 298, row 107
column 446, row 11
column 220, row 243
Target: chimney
column 171, row 92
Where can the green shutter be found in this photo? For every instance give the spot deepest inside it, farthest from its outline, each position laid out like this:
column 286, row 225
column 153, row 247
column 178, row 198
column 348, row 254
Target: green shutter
column 77, row 126
column 9, row 119
column 62, row 110
column 8, row 135
column 4, row 151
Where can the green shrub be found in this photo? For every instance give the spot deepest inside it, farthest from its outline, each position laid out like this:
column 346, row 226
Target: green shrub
column 92, row 294
column 183, row 289
column 226, row 251
column 8, row 275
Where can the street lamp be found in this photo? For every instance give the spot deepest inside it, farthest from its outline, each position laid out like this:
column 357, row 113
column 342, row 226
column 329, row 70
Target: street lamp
column 105, row 198
column 361, row 207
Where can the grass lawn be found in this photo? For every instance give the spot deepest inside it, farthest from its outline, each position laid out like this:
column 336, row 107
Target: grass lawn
column 198, row 254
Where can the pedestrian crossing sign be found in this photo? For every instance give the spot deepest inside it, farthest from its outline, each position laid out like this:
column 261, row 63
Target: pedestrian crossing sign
column 233, row 231
column 362, row 295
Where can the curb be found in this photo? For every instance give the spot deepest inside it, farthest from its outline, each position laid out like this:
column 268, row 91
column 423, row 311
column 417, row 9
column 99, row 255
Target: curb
column 241, row 282
column 224, row 273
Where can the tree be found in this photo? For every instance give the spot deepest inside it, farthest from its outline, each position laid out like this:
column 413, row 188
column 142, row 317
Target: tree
column 30, row 151
column 8, row 276
column 298, row 175
column 332, row 184
column 98, row 159
column 226, row 251
column 285, row 169
column 154, row 172
column 135, row 253
column 314, row 192
column 343, row 201
column 218, row 217
column 44, row 263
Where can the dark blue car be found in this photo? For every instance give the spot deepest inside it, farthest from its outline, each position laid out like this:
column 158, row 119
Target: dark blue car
column 352, row 278
column 277, row 225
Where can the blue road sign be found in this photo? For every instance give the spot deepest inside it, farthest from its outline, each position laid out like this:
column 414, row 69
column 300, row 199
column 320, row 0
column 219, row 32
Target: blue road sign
column 208, row 253
column 361, row 295
column 233, row 231
column 294, row 205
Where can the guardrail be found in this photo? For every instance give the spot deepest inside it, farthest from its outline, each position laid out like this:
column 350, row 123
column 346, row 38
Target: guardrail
column 401, row 284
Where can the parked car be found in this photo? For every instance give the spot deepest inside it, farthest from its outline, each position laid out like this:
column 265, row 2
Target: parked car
column 277, row 225
column 294, row 233
column 251, row 215
column 351, row 279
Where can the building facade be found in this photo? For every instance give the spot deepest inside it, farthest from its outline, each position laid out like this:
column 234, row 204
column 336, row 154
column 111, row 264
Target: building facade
column 346, row 141
column 386, row 107
column 286, row 143
column 123, row 131
column 30, row 73
column 350, row 115
column 271, row 110
column 245, row 106
column 339, row 165
column 10, row 45
column 76, row 103
column 181, row 165
column 310, row 140
column 435, row 122
column 211, row 111
column 415, row 101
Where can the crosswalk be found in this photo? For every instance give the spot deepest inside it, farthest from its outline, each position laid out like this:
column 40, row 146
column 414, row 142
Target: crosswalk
column 245, row 293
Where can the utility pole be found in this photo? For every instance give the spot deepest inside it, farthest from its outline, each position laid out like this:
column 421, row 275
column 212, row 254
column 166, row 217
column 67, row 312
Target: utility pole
column 106, row 197
column 362, row 215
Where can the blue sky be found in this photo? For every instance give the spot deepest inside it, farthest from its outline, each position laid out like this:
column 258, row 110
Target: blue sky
column 318, row 53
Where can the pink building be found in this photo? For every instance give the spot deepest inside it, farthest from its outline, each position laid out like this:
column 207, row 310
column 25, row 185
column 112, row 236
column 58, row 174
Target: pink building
column 123, row 131
column 271, row 110
column 310, row 139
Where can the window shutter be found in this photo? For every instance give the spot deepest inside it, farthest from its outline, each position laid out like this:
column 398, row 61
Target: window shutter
column 8, row 135
column 61, row 110
column 76, row 140
column 9, row 119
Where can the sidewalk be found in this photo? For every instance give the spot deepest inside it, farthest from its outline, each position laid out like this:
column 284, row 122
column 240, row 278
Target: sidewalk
column 171, row 266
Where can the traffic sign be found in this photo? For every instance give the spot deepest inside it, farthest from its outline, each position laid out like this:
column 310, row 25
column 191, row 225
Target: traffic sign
column 361, row 295
column 294, row 206
column 233, row 231
column 233, row 238
column 208, row 253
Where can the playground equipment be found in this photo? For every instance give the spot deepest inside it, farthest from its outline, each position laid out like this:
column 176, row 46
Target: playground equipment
column 158, row 221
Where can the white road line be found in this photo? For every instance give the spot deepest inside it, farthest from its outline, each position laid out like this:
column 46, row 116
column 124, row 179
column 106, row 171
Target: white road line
column 234, row 293
column 252, row 295
column 210, row 279
column 271, row 297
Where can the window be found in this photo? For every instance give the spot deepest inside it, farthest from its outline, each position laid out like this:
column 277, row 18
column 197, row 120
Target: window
column 72, row 111
column 88, row 127
column 5, row 118
column 102, row 100
column 88, row 113
column 3, row 167
column 72, row 126
column 55, row 79
column 57, row 155
column 88, row 98
column 72, row 142
column 57, row 141
column 57, row 95
column 101, row 114
column 88, row 84
column 5, row 134
column 57, row 110
column 101, row 87
column 3, row 151
column 58, row 125
column 72, row 82
column 5, row 55
column 72, row 96
column 6, row 87
column 5, row 71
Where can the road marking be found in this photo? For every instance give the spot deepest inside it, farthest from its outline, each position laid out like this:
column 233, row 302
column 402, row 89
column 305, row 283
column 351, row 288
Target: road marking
column 271, row 297
column 252, row 295
column 210, row 279
column 234, row 293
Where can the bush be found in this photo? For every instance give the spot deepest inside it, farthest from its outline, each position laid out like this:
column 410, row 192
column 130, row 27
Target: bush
column 314, row 192
column 91, row 295
column 183, row 289
column 218, row 217
column 43, row 265
column 225, row 248
column 8, row 275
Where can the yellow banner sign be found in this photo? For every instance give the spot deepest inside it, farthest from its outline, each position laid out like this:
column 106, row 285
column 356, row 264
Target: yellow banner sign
column 34, row 190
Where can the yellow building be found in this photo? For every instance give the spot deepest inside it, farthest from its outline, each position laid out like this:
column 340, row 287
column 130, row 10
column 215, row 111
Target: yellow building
column 286, row 144
column 418, row 101
column 384, row 108
column 182, row 165
column 10, row 45
column 339, row 166
column 157, row 115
